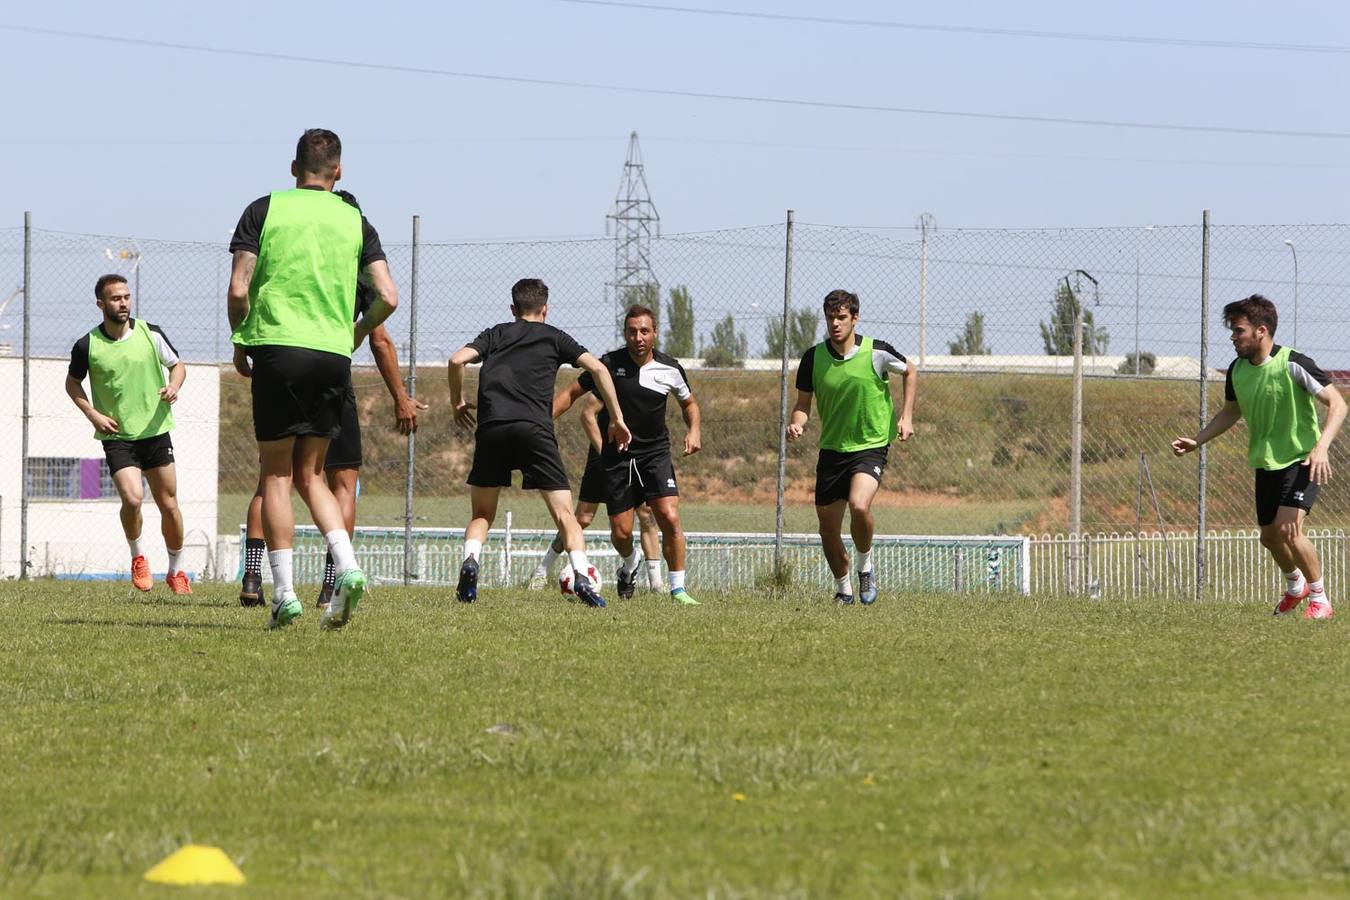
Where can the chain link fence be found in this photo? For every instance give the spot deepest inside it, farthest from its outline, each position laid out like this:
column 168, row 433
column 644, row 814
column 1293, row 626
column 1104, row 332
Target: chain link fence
column 987, row 313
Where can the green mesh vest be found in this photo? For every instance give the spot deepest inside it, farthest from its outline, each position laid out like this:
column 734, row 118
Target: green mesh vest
column 124, row 378
column 1281, row 416
column 303, row 292
column 856, row 411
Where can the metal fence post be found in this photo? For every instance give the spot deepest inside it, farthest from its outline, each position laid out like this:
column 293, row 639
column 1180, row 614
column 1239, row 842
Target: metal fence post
column 27, row 356
column 1076, row 450
column 1204, row 406
column 783, row 405
column 412, row 392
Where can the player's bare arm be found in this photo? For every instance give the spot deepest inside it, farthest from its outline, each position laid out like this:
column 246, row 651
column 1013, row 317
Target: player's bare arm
column 909, row 384
column 386, row 360
column 604, row 385
column 801, row 411
column 563, row 400
column 102, row 424
column 1225, row 419
column 386, row 300
column 169, row 393
column 590, row 422
column 455, row 375
column 241, row 277
column 693, row 425
column 1319, row 459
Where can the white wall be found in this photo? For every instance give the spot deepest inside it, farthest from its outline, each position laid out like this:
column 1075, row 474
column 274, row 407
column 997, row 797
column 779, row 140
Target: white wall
column 84, row 537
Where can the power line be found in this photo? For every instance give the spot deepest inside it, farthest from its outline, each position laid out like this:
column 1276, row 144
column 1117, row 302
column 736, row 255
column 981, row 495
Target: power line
column 981, row 30
column 687, row 94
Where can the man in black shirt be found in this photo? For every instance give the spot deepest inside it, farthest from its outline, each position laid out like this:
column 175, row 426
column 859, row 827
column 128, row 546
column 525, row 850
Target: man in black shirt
column 515, row 425
column 644, row 471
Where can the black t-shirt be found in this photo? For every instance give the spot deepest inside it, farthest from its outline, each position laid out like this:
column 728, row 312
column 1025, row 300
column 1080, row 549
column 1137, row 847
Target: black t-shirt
column 642, row 394
column 248, row 233
column 520, row 365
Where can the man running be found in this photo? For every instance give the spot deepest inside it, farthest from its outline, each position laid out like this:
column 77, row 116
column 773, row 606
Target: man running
column 342, row 464
column 590, row 495
column 125, row 360
column 1273, row 388
column 643, row 472
column 848, row 375
column 515, row 426
column 292, row 298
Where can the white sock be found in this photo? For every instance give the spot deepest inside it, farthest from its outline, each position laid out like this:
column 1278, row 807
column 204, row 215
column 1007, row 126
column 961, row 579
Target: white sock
column 653, row 573
column 282, row 576
column 135, row 545
column 1316, row 593
column 676, row 580
column 634, row 560
column 579, row 561
column 843, row 586
column 340, row 545
column 472, row 549
column 173, row 560
column 546, row 564
column 864, row 560
column 1295, row 580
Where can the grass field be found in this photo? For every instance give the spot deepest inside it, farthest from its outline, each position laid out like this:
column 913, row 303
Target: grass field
column 926, row 747
column 974, row 517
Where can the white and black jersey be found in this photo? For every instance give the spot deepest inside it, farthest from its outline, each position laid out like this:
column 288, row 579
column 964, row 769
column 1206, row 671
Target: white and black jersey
column 79, row 354
column 642, row 393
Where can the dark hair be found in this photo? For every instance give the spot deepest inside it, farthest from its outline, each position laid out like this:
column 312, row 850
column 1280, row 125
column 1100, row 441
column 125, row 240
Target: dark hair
column 529, row 295
column 1257, row 310
column 318, row 151
column 839, row 299
column 637, row 311
column 104, row 281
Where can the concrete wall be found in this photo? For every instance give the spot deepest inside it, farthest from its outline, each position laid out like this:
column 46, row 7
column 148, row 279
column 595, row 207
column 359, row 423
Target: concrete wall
column 84, row 537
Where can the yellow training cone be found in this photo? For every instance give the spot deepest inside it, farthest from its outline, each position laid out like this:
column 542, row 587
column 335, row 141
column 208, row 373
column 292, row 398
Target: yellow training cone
column 195, row 864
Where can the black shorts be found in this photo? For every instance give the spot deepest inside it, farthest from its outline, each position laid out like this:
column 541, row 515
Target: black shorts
column 532, row 448
column 147, row 453
column 635, row 480
column 344, row 452
column 835, row 471
column 1283, row 487
column 592, row 482
column 297, row 392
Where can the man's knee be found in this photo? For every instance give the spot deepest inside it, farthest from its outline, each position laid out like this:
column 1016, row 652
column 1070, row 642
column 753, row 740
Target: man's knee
column 584, row 519
column 667, row 518
column 859, row 508
column 620, row 530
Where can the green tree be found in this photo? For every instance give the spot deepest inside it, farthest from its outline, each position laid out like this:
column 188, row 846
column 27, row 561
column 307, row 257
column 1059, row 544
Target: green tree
column 1057, row 334
column 1147, row 363
column 971, row 341
column 648, row 295
column 679, row 339
column 801, row 334
column 726, row 347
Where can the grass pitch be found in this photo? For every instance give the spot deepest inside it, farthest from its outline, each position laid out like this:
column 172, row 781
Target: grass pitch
column 521, row 747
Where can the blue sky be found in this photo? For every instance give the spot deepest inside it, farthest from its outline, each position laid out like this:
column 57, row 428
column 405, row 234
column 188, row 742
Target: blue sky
column 110, row 137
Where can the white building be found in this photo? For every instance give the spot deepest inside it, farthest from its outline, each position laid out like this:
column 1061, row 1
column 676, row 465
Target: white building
column 73, row 529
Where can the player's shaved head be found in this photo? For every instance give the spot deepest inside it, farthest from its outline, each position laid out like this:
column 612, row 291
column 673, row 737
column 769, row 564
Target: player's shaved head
column 104, row 281
column 528, row 296
column 318, row 152
column 839, row 299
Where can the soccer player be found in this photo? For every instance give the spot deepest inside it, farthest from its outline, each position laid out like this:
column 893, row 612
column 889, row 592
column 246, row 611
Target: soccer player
column 1273, row 388
column 589, row 497
column 292, row 300
column 644, row 471
column 848, row 374
column 515, row 426
column 125, row 361
column 342, row 464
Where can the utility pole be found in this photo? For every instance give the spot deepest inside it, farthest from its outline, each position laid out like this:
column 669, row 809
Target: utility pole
column 927, row 223
column 635, row 219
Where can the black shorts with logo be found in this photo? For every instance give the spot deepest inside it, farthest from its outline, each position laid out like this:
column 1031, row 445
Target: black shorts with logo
column 297, row 392
column 1289, row 486
column 835, row 471
column 344, row 452
column 147, row 453
column 502, row 447
column 592, row 488
column 634, row 480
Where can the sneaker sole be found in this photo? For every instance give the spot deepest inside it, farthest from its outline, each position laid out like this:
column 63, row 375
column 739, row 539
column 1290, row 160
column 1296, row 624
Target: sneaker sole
column 355, row 588
column 467, row 589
